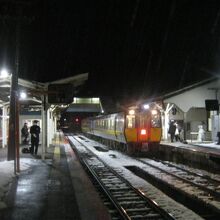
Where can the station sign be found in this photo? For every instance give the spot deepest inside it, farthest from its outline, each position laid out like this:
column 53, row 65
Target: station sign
column 211, row 105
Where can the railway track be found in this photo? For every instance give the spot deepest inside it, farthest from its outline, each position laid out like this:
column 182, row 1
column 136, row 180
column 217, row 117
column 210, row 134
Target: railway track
column 200, row 193
column 207, row 184
column 129, row 202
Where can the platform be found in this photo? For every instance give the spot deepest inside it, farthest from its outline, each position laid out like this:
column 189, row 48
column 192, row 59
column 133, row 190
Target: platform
column 54, row 188
column 197, row 154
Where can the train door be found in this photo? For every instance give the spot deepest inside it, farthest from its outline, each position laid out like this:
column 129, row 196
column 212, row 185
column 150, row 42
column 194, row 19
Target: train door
column 155, row 126
column 149, row 128
column 130, row 128
column 143, row 127
column 120, row 127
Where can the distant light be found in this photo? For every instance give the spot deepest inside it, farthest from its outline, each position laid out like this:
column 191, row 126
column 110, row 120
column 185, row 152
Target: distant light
column 4, row 73
column 23, row 95
column 64, row 119
column 77, row 120
column 102, row 111
column 146, row 106
column 131, row 112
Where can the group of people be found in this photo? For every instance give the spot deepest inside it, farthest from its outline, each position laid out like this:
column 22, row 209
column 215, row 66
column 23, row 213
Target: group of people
column 34, row 131
column 175, row 131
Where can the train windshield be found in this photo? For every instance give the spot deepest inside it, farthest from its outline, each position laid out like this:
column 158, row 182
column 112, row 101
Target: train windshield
column 155, row 119
column 143, row 120
column 151, row 118
column 130, row 121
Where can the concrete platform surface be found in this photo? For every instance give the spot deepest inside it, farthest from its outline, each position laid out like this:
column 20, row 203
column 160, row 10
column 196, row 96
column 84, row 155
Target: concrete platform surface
column 54, row 188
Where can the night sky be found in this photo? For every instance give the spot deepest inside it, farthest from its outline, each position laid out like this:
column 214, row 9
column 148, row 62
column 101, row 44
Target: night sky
column 131, row 49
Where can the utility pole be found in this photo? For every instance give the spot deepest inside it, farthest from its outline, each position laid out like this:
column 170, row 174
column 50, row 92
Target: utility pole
column 13, row 125
column 16, row 8
column 13, row 142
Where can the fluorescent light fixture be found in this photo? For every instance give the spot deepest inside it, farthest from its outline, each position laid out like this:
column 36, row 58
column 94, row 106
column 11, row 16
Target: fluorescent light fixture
column 23, row 95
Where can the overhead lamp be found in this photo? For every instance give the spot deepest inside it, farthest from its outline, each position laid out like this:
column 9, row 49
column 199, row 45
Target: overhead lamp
column 23, row 95
column 146, row 106
column 4, row 73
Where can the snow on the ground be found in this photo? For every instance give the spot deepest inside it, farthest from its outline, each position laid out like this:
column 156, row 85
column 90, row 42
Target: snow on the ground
column 213, row 145
column 118, row 160
column 210, row 145
column 6, row 178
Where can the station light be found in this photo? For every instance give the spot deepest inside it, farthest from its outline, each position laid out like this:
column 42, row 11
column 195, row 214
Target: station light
column 146, row 106
column 23, row 95
column 4, row 73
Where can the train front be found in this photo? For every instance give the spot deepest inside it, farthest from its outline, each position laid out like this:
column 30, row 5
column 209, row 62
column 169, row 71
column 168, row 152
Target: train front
column 143, row 128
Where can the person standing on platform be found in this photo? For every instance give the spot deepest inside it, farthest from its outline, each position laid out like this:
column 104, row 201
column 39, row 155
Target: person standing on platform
column 177, row 132
column 35, row 131
column 24, row 134
column 172, row 130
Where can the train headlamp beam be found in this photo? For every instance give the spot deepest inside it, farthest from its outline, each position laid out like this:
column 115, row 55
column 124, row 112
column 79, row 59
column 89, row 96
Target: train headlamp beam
column 131, row 112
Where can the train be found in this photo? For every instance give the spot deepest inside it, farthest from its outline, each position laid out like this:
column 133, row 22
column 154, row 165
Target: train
column 137, row 129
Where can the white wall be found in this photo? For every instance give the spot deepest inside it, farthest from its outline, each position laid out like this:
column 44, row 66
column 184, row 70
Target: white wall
column 195, row 97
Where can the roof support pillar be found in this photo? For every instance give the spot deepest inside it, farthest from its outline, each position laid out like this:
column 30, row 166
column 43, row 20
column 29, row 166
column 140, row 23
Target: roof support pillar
column 44, row 126
column 4, row 126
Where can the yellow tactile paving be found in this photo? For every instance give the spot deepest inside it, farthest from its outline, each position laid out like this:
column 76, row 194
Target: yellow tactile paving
column 57, row 143
column 57, row 150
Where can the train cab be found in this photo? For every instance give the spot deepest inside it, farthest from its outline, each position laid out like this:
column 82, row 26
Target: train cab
column 143, row 127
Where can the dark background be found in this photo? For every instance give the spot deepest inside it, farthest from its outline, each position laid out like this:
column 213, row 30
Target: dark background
column 131, row 49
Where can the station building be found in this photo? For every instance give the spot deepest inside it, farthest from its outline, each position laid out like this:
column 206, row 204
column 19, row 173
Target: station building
column 193, row 107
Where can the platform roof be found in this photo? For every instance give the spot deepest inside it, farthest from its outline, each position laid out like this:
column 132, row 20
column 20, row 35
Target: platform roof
column 35, row 89
column 89, row 104
column 96, row 108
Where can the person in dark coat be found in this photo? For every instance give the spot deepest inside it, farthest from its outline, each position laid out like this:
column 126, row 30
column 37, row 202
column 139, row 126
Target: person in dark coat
column 25, row 133
column 35, row 131
column 172, row 130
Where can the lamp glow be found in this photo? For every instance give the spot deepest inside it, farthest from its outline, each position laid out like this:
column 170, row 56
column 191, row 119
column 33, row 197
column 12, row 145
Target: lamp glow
column 131, row 112
column 154, row 112
column 23, row 95
column 146, row 106
column 4, row 73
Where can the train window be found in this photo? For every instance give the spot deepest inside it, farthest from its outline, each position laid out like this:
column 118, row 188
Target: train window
column 130, row 121
column 119, row 124
column 143, row 121
column 112, row 124
column 105, row 124
column 155, row 121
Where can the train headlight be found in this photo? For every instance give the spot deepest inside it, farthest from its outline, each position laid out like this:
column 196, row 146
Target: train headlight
column 154, row 112
column 143, row 132
column 131, row 112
